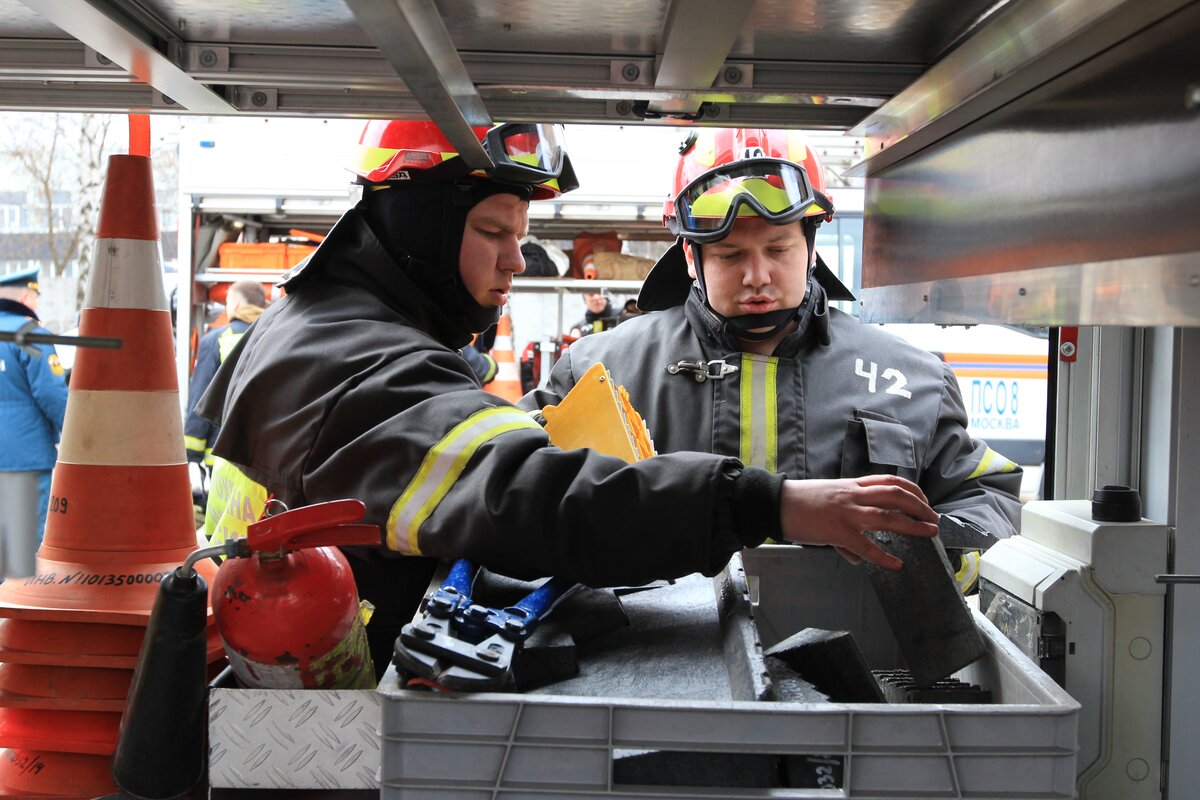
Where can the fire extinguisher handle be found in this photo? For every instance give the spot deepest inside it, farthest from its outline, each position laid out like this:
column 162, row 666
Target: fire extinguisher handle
column 313, row 526
column 338, row 536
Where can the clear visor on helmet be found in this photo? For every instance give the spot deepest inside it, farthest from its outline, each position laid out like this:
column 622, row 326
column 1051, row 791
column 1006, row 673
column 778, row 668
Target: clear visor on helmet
column 526, row 153
column 779, row 191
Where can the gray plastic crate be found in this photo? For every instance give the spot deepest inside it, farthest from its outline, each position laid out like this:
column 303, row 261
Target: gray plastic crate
column 492, row 746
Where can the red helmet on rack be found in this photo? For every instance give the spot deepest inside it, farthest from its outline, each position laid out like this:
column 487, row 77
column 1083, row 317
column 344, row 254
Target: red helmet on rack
column 411, row 151
column 726, row 173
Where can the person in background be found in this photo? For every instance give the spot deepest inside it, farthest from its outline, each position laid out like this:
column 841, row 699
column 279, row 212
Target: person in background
column 244, row 303
column 479, row 356
column 33, row 403
column 743, row 356
column 600, row 315
column 352, row 386
column 629, row 311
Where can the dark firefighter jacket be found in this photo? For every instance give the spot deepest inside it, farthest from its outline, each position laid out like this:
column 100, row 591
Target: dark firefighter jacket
column 350, row 386
column 215, row 346
column 864, row 403
column 597, row 322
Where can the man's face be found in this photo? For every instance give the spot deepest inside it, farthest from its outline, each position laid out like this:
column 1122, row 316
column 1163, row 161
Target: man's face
column 491, row 251
column 758, row 267
column 595, row 301
column 30, row 299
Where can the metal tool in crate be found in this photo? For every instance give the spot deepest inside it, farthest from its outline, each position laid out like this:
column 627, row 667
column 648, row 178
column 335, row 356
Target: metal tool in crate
column 457, row 644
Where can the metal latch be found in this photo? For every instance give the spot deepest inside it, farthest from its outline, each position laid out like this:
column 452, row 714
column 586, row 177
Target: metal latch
column 716, row 370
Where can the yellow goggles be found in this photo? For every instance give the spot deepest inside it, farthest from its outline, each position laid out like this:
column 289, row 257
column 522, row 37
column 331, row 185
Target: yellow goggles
column 779, row 191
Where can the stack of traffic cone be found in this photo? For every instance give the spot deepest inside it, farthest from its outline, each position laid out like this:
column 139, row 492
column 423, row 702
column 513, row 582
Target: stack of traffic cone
column 507, row 383
column 120, row 519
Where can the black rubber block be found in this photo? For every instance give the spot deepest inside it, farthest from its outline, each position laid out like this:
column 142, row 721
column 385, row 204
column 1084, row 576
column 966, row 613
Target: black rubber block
column 923, row 604
column 831, row 661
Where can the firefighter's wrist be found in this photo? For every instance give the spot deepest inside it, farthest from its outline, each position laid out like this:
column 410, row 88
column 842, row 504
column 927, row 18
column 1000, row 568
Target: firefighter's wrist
column 756, row 498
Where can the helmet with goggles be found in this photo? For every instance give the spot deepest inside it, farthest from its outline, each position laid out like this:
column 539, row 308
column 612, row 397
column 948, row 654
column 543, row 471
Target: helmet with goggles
column 416, row 151
column 724, row 174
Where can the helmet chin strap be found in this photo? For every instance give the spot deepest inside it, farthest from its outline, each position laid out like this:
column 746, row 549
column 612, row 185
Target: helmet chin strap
column 746, row 326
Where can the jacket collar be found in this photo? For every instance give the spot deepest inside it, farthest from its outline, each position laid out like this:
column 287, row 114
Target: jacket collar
column 813, row 330
column 13, row 307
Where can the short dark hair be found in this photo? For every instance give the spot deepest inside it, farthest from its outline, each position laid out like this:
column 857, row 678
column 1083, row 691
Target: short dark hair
column 250, row 292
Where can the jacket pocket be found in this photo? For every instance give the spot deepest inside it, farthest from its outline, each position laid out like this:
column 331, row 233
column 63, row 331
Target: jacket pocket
column 877, row 444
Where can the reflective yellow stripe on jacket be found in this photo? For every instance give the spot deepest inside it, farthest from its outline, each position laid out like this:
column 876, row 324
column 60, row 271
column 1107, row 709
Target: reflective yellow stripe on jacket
column 234, row 501
column 759, row 413
column 200, row 446
column 226, row 342
column 991, row 463
column 441, row 468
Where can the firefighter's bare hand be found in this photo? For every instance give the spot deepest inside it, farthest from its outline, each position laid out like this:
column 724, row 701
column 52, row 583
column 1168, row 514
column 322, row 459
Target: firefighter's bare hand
column 837, row 512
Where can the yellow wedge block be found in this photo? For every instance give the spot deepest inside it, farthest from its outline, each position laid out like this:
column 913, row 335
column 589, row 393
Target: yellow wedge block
column 596, row 413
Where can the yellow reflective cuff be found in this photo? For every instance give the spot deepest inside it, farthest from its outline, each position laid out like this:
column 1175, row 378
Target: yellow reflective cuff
column 492, row 369
column 209, row 459
column 992, row 463
column 968, row 571
column 234, row 501
column 440, row 470
column 196, row 445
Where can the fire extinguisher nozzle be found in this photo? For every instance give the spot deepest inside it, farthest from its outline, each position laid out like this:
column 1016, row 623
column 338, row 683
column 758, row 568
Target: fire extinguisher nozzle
column 160, row 748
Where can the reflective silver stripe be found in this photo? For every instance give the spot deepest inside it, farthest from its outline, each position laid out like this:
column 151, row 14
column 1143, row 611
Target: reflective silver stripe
column 440, row 469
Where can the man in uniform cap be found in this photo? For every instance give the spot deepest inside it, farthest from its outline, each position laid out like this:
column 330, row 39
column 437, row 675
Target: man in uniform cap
column 33, row 400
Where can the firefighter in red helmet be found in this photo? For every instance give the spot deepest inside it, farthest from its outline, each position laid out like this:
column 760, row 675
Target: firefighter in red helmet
column 743, row 338
column 351, row 386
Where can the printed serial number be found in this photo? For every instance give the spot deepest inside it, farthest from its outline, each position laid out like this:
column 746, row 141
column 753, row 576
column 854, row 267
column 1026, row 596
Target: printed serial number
column 95, row 579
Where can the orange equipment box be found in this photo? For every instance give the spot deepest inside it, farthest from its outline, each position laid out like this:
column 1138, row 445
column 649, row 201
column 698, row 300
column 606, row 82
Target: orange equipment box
column 261, row 255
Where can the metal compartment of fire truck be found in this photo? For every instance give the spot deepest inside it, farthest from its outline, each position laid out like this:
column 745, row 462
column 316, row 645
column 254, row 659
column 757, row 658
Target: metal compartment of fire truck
column 1029, row 161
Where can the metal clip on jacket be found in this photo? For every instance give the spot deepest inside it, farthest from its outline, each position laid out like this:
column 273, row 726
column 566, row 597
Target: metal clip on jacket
column 469, row 647
column 714, row 370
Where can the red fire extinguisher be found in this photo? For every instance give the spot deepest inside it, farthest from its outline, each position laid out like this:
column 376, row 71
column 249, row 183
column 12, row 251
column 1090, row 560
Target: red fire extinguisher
column 288, row 610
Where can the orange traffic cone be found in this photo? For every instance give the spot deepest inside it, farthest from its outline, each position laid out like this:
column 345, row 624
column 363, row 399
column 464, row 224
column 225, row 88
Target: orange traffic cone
column 67, row 643
column 120, row 517
column 65, row 688
column 37, row 773
column 507, row 383
column 120, row 512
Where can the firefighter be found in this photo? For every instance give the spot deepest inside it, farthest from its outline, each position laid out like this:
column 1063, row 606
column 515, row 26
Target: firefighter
column 599, row 316
column 245, row 302
column 352, row 386
column 790, row 384
column 33, row 402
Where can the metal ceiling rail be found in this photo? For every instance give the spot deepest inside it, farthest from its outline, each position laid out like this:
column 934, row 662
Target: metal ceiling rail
column 413, row 38
column 1014, row 50
column 696, row 39
column 53, row 59
column 124, row 45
